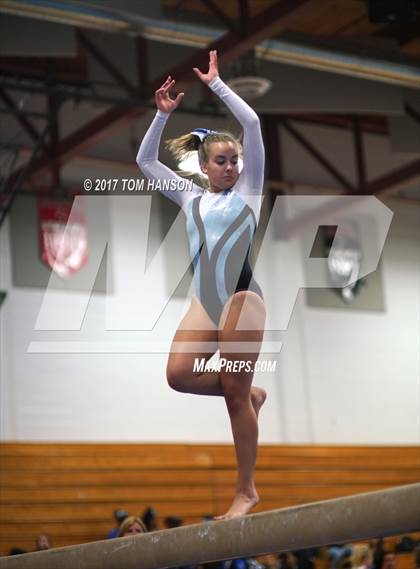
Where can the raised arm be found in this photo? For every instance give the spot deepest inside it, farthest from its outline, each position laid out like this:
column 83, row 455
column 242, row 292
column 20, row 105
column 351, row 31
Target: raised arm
column 147, row 156
column 252, row 175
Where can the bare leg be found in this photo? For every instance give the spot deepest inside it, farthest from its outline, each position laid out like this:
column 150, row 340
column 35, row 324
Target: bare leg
column 237, row 390
column 195, row 328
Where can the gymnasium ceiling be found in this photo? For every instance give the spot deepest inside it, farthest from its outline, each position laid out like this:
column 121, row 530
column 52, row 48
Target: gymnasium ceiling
column 323, row 18
column 184, row 30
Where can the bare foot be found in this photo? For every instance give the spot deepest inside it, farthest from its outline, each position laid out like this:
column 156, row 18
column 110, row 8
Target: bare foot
column 242, row 504
column 258, row 396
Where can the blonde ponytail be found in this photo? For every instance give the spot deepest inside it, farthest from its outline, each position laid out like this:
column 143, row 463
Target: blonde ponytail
column 180, row 148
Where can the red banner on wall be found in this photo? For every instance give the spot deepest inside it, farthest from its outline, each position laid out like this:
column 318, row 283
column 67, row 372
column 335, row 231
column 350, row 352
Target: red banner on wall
column 63, row 236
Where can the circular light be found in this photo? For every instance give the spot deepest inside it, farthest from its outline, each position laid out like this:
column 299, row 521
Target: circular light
column 250, row 87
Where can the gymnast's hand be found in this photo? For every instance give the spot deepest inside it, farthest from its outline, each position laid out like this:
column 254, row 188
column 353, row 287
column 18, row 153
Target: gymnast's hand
column 213, row 69
column 163, row 100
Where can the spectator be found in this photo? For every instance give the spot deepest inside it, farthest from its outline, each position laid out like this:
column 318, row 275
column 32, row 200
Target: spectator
column 120, row 516
column 378, row 553
column 361, row 557
column 406, row 544
column 42, row 542
column 173, row 522
column 388, row 560
column 337, row 553
column 242, row 563
column 236, row 564
column 346, row 560
column 254, row 564
column 305, row 558
column 417, row 556
column 287, row 561
column 131, row 526
column 17, row 551
column 149, row 519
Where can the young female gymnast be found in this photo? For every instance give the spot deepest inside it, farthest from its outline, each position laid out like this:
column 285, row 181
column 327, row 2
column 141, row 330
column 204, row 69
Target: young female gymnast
column 221, row 222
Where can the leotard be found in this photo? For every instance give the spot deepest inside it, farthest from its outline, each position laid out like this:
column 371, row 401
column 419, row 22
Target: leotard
column 220, row 225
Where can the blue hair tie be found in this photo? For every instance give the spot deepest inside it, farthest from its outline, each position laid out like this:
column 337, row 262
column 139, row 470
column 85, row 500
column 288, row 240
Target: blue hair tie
column 203, row 133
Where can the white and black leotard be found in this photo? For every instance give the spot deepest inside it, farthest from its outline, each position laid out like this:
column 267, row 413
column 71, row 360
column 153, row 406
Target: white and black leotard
column 220, row 225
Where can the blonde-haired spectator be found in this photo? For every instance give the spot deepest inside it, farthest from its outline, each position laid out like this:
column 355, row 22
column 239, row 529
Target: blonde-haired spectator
column 361, row 557
column 388, row 560
column 131, row 526
column 42, row 542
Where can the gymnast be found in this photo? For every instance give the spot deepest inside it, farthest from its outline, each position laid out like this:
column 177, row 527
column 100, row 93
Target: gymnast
column 221, row 221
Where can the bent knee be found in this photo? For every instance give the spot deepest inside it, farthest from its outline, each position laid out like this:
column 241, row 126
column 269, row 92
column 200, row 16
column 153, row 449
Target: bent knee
column 235, row 403
column 235, row 396
column 177, row 377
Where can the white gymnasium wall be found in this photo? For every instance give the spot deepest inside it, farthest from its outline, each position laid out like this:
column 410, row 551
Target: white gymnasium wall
column 359, row 370
column 343, row 376
column 97, row 396
column 6, row 370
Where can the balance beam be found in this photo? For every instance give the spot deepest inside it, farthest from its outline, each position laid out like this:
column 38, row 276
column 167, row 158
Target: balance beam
column 359, row 517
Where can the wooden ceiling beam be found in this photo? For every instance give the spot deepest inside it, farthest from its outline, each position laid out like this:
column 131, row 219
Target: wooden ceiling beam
column 220, row 15
column 393, row 181
column 106, row 64
column 265, row 25
column 65, row 68
column 20, row 116
column 371, row 125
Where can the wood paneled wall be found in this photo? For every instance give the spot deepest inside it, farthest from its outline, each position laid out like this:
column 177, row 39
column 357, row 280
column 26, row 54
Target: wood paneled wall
column 69, row 491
